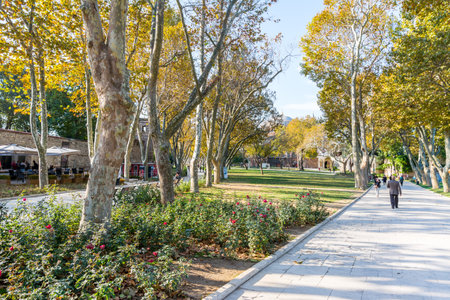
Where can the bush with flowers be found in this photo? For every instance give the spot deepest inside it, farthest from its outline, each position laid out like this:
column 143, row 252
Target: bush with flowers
column 44, row 257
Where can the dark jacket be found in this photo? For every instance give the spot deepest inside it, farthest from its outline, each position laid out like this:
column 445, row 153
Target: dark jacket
column 394, row 187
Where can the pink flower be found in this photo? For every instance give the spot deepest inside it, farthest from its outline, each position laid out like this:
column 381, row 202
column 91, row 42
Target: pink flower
column 307, row 194
column 155, row 253
column 257, row 210
column 234, row 212
column 303, row 196
column 232, row 221
column 11, row 249
column 165, row 223
column 265, row 216
column 24, row 199
column 237, row 203
column 102, row 247
column 201, row 204
column 151, row 260
column 265, row 201
column 296, row 195
column 270, row 203
column 261, row 215
column 10, row 231
column 0, row 273
column 48, row 226
column 321, row 193
column 89, row 246
column 268, row 209
column 248, row 197
column 248, row 204
column 220, row 216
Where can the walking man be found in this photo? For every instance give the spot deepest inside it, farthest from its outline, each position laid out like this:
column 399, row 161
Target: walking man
column 401, row 180
column 394, row 191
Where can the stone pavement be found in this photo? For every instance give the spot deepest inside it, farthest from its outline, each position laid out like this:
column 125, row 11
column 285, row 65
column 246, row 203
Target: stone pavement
column 63, row 197
column 368, row 252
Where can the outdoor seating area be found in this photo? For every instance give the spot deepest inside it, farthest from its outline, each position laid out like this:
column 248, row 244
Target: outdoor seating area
column 16, row 163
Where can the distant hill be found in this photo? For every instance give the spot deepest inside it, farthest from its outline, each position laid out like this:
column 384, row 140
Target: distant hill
column 286, row 120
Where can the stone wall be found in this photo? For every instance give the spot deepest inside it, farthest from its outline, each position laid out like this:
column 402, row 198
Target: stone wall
column 80, row 160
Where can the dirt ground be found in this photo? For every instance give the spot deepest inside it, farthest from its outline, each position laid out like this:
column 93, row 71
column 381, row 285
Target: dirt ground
column 206, row 275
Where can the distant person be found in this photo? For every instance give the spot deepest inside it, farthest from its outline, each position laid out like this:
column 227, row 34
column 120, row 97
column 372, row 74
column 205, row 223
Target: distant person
column 384, row 180
column 394, row 191
column 14, row 165
column 401, row 179
column 35, row 165
column 177, row 178
column 27, row 165
column 377, row 186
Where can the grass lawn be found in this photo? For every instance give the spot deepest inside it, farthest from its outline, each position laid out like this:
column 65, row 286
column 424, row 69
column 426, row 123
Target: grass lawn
column 283, row 185
column 439, row 190
column 292, row 178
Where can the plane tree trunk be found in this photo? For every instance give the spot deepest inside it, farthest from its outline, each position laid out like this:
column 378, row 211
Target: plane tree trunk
column 107, row 62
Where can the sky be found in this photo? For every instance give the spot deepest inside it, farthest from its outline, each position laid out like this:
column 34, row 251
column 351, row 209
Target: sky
column 295, row 94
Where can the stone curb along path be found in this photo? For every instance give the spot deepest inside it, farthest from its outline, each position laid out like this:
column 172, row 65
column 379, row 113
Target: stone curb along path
column 234, row 284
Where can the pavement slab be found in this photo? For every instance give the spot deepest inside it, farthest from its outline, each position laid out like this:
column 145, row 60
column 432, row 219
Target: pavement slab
column 369, row 252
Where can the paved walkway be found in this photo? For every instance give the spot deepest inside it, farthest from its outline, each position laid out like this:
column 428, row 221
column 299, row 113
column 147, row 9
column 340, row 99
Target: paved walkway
column 369, row 252
column 64, row 197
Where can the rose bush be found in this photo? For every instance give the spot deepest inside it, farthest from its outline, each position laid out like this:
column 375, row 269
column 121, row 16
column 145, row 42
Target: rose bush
column 43, row 256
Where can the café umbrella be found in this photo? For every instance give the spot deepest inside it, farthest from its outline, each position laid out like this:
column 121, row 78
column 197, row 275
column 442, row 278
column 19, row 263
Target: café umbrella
column 13, row 149
column 58, row 151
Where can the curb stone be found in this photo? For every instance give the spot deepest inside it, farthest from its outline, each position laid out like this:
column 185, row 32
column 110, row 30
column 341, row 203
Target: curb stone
column 234, row 284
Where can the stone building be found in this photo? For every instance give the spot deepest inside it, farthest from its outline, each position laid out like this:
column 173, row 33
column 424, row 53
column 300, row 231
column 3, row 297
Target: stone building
column 80, row 160
column 20, row 138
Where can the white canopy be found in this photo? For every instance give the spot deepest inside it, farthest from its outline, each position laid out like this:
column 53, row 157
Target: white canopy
column 11, row 149
column 57, row 151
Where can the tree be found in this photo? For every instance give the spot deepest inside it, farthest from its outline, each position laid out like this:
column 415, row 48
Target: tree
column 260, row 149
column 12, row 102
column 61, row 120
column 416, row 86
column 161, row 132
column 297, row 132
column 32, row 32
column 111, row 79
column 345, row 43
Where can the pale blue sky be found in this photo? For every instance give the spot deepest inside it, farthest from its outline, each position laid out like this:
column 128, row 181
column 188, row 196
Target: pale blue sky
column 296, row 95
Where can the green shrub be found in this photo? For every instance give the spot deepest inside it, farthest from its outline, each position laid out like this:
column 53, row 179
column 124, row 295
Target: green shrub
column 44, row 257
column 33, row 176
column 52, row 177
column 4, row 177
column 183, row 187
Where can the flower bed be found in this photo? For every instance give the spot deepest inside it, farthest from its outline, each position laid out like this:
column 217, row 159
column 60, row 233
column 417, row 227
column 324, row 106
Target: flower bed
column 43, row 256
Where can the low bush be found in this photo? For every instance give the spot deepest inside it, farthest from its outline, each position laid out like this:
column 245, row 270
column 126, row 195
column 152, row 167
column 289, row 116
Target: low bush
column 43, row 256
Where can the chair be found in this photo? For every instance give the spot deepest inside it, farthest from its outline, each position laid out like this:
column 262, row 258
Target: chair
column 12, row 174
column 21, row 176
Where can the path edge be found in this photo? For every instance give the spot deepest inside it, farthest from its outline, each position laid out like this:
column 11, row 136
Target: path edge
column 235, row 283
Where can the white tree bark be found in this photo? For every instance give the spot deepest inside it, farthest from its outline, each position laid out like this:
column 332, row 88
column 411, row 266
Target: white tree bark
column 107, row 63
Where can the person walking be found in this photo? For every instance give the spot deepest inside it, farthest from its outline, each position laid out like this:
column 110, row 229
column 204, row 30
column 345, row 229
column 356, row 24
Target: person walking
column 377, row 186
column 394, row 191
column 384, row 180
column 401, row 179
